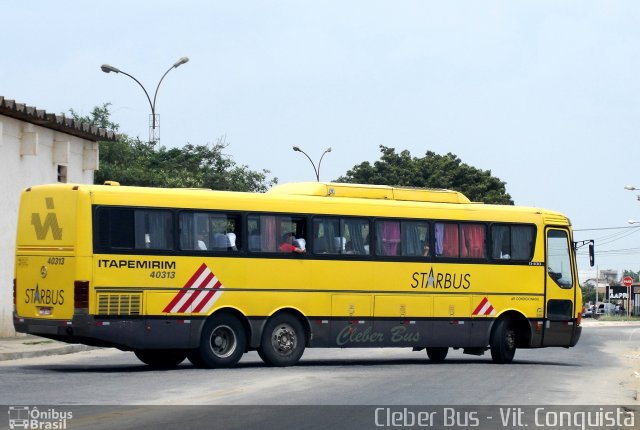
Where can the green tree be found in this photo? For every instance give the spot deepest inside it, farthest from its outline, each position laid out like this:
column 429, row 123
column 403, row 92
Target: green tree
column 99, row 117
column 134, row 162
column 588, row 293
column 431, row 171
column 634, row 275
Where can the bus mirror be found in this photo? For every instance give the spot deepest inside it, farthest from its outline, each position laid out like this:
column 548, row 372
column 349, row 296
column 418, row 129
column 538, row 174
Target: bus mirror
column 592, row 254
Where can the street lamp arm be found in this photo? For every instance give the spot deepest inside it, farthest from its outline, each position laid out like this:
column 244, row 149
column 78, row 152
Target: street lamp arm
column 106, row 68
column 295, row 148
column 177, row 64
column 320, row 162
column 155, row 95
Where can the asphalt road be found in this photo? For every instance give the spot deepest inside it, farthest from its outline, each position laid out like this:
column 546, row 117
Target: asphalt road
column 603, row 369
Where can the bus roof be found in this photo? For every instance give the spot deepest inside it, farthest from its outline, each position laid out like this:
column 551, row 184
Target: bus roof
column 385, row 192
column 355, row 199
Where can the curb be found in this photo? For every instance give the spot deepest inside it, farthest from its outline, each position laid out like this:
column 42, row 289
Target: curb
column 31, row 346
column 596, row 323
column 60, row 350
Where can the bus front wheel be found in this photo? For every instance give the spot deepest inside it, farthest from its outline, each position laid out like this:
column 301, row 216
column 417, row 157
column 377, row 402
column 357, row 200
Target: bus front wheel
column 161, row 358
column 283, row 341
column 503, row 342
column 222, row 343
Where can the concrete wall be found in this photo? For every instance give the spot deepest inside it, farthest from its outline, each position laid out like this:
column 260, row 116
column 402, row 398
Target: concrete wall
column 30, row 155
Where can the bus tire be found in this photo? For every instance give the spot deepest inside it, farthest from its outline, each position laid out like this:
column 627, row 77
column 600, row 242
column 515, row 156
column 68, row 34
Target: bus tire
column 503, row 342
column 194, row 357
column 161, row 358
column 437, row 355
column 222, row 343
column 283, row 341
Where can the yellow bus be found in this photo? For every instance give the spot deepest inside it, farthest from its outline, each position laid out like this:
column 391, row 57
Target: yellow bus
column 209, row 275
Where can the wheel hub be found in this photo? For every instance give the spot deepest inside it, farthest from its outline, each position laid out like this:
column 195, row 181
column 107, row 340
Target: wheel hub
column 223, row 341
column 284, row 339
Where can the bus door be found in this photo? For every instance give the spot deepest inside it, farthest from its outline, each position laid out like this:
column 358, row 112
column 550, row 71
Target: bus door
column 560, row 289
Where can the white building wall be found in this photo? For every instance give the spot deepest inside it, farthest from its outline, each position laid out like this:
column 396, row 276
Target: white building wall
column 30, row 155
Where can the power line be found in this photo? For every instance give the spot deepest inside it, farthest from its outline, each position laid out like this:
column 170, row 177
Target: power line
column 604, row 228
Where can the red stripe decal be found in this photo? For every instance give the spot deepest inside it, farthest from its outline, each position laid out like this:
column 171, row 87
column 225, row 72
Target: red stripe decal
column 186, row 287
column 196, row 291
column 209, row 294
column 482, row 303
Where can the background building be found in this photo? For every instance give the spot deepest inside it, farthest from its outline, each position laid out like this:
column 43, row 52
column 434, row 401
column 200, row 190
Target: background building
column 37, row 148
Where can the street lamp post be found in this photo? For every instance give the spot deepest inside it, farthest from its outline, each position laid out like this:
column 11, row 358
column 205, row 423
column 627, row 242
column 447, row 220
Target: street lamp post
column 632, row 188
column 154, row 127
column 317, row 171
column 631, row 221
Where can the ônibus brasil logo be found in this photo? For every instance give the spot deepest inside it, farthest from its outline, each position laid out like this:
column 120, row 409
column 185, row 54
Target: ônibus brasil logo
column 28, row 417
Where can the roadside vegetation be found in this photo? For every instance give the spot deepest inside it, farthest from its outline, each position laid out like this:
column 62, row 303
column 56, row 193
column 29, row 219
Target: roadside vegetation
column 618, row 318
column 132, row 161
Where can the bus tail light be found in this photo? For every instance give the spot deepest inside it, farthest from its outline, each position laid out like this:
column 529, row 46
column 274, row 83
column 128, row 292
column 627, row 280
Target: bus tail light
column 81, row 294
column 579, row 319
column 15, row 292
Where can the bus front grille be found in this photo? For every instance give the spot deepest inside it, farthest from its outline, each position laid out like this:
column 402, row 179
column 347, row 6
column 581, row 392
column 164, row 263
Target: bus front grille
column 119, row 304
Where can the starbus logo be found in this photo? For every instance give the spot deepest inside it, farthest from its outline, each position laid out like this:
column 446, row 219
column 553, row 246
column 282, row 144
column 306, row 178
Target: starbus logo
column 50, row 223
column 28, row 417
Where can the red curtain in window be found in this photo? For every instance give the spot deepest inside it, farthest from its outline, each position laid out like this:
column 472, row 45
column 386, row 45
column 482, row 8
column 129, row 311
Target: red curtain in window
column 451, row 243
column 268, row 233
column 391, row 237
column 472, row 241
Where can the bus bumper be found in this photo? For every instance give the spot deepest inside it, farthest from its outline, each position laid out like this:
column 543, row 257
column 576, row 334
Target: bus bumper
column 125, row 334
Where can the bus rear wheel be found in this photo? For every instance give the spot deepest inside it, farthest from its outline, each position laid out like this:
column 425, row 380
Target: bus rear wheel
column 161, row 358
column 222, row 343
column 503, row 342
column 283, row 341
column 437, row 355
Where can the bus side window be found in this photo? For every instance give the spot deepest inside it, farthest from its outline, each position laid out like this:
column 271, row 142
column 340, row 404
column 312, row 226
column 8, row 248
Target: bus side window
column 447, row 240
column 388, row 238
column 266, row 231
column 208, row 231
column 355, row 232
column 115, row 228
column 512, row 242
column 473, row 241
column 415, row 238
column 153, row 229
column 295, row 227
column 326, row 236
column 262, row 233
column 501, row 242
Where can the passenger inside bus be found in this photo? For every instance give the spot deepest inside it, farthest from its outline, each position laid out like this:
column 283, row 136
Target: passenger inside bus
column 287, row 244
column 202, row 240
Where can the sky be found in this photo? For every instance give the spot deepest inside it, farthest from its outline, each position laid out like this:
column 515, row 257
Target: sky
column 544, row 94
